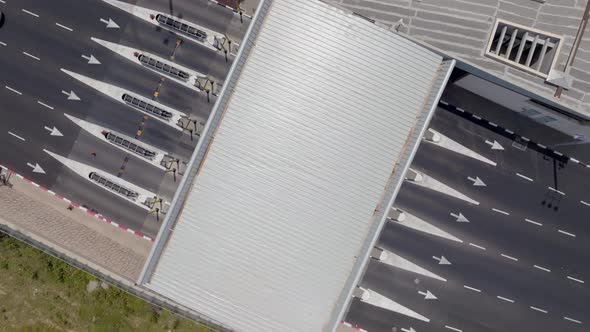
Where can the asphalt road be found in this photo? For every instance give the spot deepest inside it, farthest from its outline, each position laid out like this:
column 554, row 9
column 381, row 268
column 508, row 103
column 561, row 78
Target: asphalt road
column 39, row 38
column 522, row 266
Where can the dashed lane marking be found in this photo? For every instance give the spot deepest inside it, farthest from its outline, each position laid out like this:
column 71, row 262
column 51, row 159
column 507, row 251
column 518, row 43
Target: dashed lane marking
column 566, row 233
column 31, row 56
column 575, row 279
column 509, row 257
column 471, row 288
column 524, row 177
column 533, row 222
column 585, row 203
column 505, row 299
column 43, row 104
column 30, row 13
column 453, row 328
column 13, row 90
column 557, row 191
column 3, row 44
column 500, row 211
column 541, row 268
column 15, row 135
column 476, row 246
column 572, row 320
column 64, row 27
column 539, row 310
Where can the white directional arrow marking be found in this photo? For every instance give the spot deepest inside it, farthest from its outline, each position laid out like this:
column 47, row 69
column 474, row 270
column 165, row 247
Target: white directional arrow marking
column 36, row 168
column 71, row 95
column 53, row 131
column 408, row 330
column 460, row 217
column 477, row 181
column 428, row 295
column 442, row 260
column 91, row 59
column 495, row 145
column 110, row 23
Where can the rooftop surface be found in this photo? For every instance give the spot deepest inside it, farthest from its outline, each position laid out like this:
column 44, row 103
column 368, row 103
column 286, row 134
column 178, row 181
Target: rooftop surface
column 295, row 181
column 461, row 28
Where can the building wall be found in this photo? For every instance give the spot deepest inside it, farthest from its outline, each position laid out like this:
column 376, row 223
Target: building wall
column 461, row 28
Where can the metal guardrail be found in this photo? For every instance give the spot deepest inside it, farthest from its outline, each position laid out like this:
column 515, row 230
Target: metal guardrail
column 170, row 70
column 182, row 27
column 120, row 141
column 147, row 107
column 112, row 186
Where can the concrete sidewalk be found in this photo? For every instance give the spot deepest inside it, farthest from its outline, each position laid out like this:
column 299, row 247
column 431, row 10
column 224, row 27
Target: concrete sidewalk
column 46, row 218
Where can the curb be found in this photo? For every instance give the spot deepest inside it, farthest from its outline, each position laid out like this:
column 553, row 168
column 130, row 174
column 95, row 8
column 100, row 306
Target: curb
column 509, row 134
column 76, row 205
column 355, row 327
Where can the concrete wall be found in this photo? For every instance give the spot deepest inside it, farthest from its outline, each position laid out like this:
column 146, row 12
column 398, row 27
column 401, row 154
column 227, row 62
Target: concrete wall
column 461, row 28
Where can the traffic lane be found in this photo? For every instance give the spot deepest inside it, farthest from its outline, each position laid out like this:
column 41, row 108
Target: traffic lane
column 111, row 206
column 492, row 275
column 56, row 52
column 454, row 306
column 534, row 165
column 500, row 234
column 204, row 60
column 376, row 319
column 506, row 192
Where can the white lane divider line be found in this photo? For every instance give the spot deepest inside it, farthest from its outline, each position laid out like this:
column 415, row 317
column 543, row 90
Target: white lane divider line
column 585, row 203
column 43, row 104
column 509, row 257
column 557, row 191
column 30, row 13
column 2, row 1
column 500, row 211
column 476, row 246
column 15, row 135
column 533, row 222
column 541, row 268
column 524, row 177
column 13, row 90
column 575, row 279
column 3, row 44
column 471, row 288
column 505, row 299
column 572, row 320
column 566, row 233
column 64, row 27
column 539, row 310
column 31, row 56
column 453, row 328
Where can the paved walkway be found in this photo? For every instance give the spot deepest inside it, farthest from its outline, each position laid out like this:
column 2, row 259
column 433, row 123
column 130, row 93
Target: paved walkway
column 45, row 218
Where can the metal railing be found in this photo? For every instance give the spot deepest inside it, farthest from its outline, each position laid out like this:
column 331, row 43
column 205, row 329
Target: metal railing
column 182, row 27
column 112, row 186
column 147, row 107
column 120, row 141
column 159, row 65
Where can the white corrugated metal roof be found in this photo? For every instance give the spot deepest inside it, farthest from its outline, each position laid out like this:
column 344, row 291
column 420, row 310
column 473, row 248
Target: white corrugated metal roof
column 299, row 164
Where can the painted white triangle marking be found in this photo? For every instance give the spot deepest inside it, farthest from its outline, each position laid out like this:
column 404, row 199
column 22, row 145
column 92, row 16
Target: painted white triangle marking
column 398, row 261
column 413, row 222
column 381, row 301
column 454, row 146
column 432, row 183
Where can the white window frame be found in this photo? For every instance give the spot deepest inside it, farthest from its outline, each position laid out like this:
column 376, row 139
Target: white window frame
column 511, row 63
